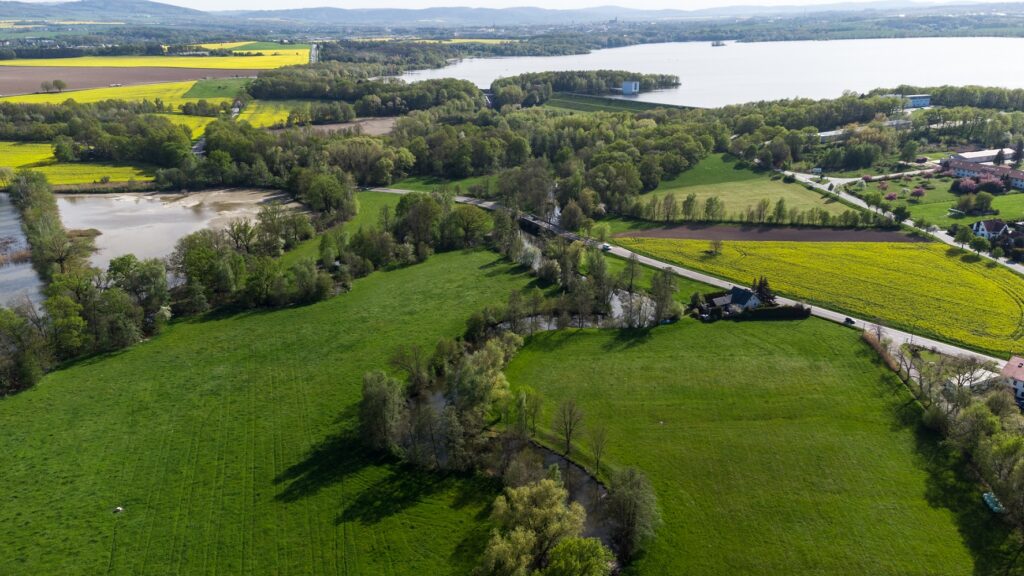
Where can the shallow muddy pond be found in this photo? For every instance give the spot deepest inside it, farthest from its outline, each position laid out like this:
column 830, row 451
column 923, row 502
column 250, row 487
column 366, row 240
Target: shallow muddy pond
column 149, row 225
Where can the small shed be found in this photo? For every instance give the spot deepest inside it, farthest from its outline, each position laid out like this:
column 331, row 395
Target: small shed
column 630, row 87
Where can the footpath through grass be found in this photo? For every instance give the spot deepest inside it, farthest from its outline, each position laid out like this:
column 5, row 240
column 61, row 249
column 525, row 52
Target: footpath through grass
column 230, row 444
column 926, row 288
column 774, row 448
column 739, row 188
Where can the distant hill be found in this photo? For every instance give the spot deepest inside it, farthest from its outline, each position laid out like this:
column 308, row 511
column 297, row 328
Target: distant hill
column 97, row 10
column 144, row 10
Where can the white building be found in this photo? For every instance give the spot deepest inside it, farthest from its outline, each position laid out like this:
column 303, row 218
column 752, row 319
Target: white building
column 989, row 229
column 982, row 156
column 1014, row 374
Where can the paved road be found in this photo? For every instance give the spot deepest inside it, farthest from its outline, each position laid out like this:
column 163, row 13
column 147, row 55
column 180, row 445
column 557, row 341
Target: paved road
column 898, row 337
column 939, row 235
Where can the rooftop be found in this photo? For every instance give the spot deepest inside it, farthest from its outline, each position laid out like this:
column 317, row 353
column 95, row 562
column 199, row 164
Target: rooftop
column 1014, row 368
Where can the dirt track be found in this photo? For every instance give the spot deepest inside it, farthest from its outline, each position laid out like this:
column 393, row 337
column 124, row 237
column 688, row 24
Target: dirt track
column 26, row 79
column 771, row 233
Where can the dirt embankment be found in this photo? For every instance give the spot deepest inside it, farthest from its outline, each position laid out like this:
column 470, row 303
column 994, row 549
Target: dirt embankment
column 26, row 79
column 369, row 126
column 771, row 233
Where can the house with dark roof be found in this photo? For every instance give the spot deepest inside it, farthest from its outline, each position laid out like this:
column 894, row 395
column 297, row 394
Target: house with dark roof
column 1013, row 372
column 736, row 300
column 989, row 229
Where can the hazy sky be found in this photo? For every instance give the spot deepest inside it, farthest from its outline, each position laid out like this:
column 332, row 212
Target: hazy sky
column 649, row 4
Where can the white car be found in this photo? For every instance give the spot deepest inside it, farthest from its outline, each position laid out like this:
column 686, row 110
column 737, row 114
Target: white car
column 606, row 247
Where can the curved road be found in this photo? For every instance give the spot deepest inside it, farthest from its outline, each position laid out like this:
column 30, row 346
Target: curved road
column 898, row 337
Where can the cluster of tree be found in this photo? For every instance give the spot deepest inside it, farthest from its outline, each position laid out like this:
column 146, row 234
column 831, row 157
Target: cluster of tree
column 100, row 49
column 53, row 249
column 48, row 86
column 535, row 88
column 983, row 423
column 85, row 310
column 974, row 96
column 964, row 125
column 607, row 158
column 240, row 154
column 321, row 113
column 584, row 299
column 88, row 122
column 537, row 527
column 205, row 108
column 377, row 97
column 800, row 113
column 238, row 266
column 420, row 225
column 712, row 209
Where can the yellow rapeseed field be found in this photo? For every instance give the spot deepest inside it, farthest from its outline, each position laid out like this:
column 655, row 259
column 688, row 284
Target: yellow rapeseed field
column 924, row 287
column 267, row 113
column 224, row 45
column 195, row 124
column 270, row 59
column 169, row 92
column 39, row 157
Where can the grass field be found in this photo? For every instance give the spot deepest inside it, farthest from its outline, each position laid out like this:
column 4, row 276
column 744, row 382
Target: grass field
column 739, row 188
column 217, row 88
column 39, row 157
column 1010, row 206
column 773, row 447
column 578, row 103
column 174, row 93
column 927, row 288
column 429, row 183
column 229, row 442
column 272, row 58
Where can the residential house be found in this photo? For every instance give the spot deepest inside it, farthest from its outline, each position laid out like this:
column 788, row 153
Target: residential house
column 990, row 229
column 1013, row 372
column 736, row 300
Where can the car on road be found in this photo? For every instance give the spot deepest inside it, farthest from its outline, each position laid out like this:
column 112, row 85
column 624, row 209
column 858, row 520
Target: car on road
column 606, row 247
column 849, row 321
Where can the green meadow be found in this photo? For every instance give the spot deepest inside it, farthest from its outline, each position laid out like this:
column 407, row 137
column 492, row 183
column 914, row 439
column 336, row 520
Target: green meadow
column 230, row 443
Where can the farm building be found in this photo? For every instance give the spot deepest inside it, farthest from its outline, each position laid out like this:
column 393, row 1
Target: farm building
column 1013, row 372
column 982, row 156
column 630, row 87
column 989, row 229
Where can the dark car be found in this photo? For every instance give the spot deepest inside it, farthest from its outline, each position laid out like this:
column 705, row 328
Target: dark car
column 849, row 321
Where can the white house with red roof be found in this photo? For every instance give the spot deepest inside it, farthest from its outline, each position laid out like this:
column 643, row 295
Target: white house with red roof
column 1014, row 374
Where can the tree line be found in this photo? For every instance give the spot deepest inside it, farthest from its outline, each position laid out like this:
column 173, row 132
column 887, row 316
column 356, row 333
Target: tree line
column 535, row 88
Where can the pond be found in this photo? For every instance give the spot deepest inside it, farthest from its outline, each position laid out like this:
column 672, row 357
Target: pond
column 17, row 279
column 149, row 225
column 745, row 72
